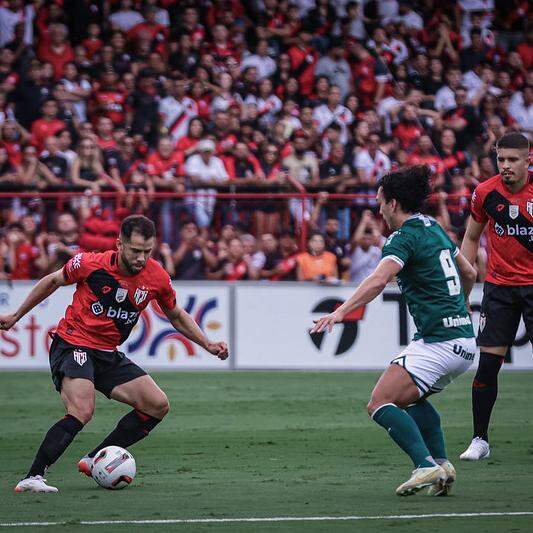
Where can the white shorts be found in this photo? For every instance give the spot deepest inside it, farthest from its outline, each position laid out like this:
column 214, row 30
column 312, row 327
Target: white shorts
column 434, row 365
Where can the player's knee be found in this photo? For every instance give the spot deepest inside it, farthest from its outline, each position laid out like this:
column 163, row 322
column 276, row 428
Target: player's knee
column 158, row 406
column 83, row 413
column 373, row 405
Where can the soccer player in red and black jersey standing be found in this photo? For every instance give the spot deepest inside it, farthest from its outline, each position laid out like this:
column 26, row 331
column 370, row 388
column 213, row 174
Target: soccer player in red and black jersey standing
column 112, row 289
column 505, row 203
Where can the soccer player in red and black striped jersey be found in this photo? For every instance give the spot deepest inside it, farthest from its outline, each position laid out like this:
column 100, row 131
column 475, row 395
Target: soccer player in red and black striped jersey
column 112, row 289
column 505, row 203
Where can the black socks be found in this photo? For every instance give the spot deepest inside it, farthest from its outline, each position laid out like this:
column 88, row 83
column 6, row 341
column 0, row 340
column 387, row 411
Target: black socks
column 56, row 441
column 130, row 429
column 485, row 391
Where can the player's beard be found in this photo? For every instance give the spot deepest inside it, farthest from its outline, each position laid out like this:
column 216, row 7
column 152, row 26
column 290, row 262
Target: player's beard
column 129, row 267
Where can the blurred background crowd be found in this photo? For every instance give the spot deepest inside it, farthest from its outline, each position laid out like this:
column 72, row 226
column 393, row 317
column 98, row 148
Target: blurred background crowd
column 107, row 104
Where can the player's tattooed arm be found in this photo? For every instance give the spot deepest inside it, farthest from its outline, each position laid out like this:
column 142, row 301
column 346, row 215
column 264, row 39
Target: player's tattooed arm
column 370, row 287
column 44, row 288
column 184, row 323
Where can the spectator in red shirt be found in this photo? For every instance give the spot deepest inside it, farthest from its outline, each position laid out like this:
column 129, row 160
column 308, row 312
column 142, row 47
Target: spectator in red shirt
column 110, row 100
column 149, row 30
column 48, row 125
column 425, row 155
column 236, row 267
column 409, row 129
column 525, row 50
column 22, row 254
column 12, row 137
column 187, row 144
column 104, row 131
column 303, row 60
column 93, row 43
column 58, row 51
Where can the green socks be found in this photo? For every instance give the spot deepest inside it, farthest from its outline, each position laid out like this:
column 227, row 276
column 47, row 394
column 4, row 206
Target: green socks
column 405, row 433
column 428, row 421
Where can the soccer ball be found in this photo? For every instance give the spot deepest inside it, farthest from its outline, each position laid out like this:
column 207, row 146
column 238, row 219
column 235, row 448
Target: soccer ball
column 113, row 468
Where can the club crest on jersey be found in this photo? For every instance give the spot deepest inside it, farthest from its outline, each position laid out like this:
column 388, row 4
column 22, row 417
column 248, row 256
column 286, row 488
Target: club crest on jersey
column 529, row 208
column 80, row 357
column 140, row 295
column 513, row 211
column 121, row 294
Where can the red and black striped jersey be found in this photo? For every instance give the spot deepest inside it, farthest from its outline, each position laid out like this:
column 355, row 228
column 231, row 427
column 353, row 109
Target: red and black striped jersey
column 107, row 304
column 510, row 230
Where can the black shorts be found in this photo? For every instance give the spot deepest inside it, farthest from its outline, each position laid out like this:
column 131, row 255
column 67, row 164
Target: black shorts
column 501, row 309
column 105, row 369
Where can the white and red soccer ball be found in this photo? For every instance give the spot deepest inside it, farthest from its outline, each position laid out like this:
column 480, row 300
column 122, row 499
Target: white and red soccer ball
column 113, row 468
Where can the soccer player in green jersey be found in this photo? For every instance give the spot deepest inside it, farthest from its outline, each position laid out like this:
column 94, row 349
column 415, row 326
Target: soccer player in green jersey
column 431, row 274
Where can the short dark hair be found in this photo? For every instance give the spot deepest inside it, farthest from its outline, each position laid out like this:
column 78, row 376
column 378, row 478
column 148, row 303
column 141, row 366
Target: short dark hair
column 408, row 186
column 513, row 140
column 138, row 224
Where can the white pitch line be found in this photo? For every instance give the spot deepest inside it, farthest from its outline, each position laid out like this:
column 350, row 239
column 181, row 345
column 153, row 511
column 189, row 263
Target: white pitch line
column 266, row 519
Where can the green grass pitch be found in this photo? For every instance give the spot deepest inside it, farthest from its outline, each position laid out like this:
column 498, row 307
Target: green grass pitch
column 264, row 444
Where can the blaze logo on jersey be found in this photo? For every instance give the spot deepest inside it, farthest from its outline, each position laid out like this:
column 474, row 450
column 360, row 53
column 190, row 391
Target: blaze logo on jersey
column 140, row 295
column 80, row 357
column 513, row 211
column 97, row 308
column 121, row 294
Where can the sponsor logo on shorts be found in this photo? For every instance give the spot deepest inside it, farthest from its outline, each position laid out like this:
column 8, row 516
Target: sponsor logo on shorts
column 140, row 295
column 121, row 294
column 455, row 321
column 460, row 351
column 80, row 357
column 97, row 308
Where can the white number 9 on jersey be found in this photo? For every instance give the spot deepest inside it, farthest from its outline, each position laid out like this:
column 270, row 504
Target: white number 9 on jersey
column 450, row 272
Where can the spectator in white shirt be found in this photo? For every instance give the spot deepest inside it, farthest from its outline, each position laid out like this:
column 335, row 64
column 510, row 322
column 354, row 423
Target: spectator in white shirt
column 11, row 15
column 411, row 19
column 365, row 246
column 125, row 18
column 370, row 163
column 205, row 170
column 333, row 111
column 264, row 64
column 445, row 96
column 521, row 109
column 335, row 67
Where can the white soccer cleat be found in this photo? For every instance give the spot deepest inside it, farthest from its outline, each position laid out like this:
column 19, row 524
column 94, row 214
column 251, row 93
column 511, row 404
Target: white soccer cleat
column 478, row 449
column 85, row 465
column 422, row 477
column 34, row 484
column 445, row 488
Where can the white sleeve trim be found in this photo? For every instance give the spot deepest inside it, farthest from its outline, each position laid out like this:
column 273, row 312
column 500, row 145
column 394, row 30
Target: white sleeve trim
column 395, row 258
column 455, row 253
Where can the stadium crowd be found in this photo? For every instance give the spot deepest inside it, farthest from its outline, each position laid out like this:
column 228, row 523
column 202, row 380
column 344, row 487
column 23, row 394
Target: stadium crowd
column 137, row 98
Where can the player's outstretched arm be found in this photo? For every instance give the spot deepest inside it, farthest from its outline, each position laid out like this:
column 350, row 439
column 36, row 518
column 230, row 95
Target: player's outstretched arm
column 184, row 323
column 44, row 288
column 370, row 287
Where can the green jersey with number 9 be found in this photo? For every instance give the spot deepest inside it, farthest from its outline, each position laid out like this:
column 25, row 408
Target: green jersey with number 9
column 429, row 279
